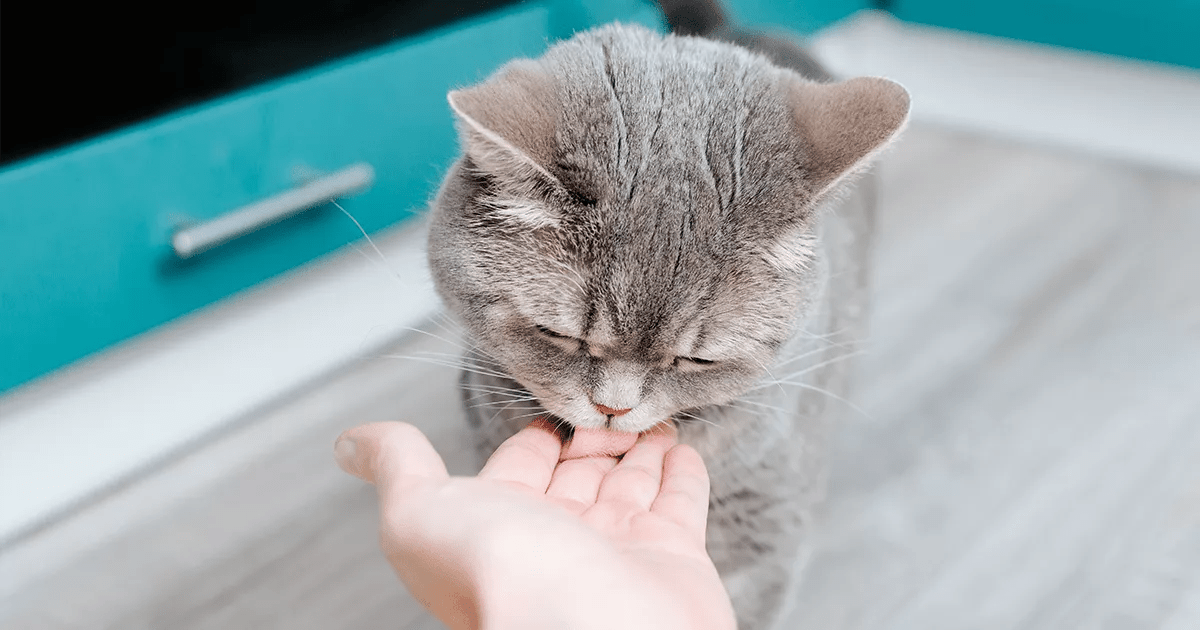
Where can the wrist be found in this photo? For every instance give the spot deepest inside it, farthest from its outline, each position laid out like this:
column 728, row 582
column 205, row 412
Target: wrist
column 535, row 581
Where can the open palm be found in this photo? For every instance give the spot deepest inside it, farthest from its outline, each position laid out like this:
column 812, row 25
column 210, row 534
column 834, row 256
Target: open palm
column 535, row 542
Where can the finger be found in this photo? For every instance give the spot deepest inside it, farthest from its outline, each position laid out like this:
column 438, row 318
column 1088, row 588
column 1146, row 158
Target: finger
column 683, row 496
column 577, row 481
column 636, row 479
column 527, row 458
column 391, row 455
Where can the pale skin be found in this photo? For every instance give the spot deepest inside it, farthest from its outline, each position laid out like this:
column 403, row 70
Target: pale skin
column 532, row 542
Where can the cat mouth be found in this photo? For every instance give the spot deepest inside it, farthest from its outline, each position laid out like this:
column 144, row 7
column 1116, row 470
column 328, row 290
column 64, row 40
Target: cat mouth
column 568, row 412
column 579, row 443
column 566, row 431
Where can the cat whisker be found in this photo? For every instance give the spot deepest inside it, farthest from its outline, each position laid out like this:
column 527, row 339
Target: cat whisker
column 803, row 355
column 429, row 334
column 834, row 396
column 692, row 416
column 778, row 429
column 495, row 399
column 488, row 389
column 504, row 395
column 383, row 261
column 510, row 405
column 841, row 357
column 496, row 389
column 813, row 335
column 489, row 363
column 539, row 412
column 501, row 410
column 826, row 338
column 759, row 404
column 451, row 327
column 769, row 373
column 774, row 428
column 450, row 364
column 431, row 360
column 501, row 395
column 444, row 355
column 495, row 402
column 559, row 423
column 786, row 378
column 458, row 357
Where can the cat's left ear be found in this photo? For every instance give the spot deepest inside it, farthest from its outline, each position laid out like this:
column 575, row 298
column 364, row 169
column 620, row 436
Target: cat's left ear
column 843, row 125
column 508, row 122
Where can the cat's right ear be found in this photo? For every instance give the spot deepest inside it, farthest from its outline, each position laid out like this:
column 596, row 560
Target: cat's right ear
column 508, row 122
column 845, row 124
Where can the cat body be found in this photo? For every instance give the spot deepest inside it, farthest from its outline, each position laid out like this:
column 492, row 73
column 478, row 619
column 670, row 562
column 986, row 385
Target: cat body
column 646, row 227
column 764, row 450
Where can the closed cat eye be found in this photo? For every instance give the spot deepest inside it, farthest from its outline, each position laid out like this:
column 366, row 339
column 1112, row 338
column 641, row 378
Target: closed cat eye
column 694, row 360
column 551, row 333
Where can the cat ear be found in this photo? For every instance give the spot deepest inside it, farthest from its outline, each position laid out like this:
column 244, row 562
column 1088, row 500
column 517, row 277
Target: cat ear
column 508, row 122
column 845, row 124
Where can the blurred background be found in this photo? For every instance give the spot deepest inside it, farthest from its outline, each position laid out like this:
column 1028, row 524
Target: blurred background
column 186, row 323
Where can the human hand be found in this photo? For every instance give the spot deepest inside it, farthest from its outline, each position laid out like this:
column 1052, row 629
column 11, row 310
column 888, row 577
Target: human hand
column 532, row 542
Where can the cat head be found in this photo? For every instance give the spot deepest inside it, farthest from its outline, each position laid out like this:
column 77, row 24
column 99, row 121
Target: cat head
column 632, row 229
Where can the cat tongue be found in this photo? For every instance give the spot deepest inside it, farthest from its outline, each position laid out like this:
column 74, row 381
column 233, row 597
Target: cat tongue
column 597, row 443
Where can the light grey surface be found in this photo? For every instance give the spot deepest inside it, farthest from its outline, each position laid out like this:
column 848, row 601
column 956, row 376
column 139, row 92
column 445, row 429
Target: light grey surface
column 1028, row 455
column 1031, row 452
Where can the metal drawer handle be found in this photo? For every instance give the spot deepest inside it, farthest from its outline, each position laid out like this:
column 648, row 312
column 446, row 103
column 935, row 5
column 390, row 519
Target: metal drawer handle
column 197, row 238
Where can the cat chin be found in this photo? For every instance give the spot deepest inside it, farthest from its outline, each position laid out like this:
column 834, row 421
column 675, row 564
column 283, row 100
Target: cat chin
column 636, row 426
column 635, row 421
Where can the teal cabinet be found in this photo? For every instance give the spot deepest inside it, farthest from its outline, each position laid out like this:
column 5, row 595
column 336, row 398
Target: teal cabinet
column 801, row 16
column 1166, row 31
column 576, row 15
column 85, row 233
column 85, row 255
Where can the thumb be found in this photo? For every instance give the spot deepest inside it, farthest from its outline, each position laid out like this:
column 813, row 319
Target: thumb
column 391, row 455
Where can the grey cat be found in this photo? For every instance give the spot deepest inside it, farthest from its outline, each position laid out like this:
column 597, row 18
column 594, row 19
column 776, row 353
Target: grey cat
column 645, row 227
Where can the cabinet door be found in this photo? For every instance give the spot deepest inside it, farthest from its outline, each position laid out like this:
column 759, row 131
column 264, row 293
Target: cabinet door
column 1166, row 31
column 85, row 255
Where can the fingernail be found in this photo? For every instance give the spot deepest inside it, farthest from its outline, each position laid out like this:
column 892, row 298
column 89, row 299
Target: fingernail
column 346, row 454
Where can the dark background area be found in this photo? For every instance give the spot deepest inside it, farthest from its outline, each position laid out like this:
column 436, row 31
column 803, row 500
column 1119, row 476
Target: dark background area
column 72, row 71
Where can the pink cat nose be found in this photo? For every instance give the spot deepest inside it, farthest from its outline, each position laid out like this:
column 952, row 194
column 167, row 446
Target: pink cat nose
column 609, row 411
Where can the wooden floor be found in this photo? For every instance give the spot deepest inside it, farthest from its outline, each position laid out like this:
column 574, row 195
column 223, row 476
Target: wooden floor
column 1027, row 456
